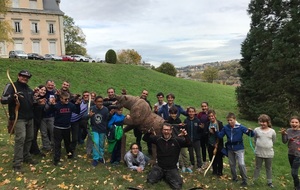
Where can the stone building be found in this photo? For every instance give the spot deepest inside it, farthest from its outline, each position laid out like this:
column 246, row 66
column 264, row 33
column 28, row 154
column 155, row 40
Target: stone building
column 37, row 27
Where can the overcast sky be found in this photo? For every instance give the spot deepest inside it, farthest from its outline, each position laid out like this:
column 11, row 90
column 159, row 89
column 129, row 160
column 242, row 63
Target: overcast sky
column 181, row 32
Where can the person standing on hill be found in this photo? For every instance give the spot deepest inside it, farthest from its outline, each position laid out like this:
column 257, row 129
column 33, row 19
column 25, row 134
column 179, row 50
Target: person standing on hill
column 235, row 147
column 177, row 127
column 38, row 110
column 110, row 101
column 62, row 123
column 76, row 121
column 203, row 117
column 194, row 130
column 160, row 102
column 98, row 115
column 213, row 126
column 264, row 138
column 20, row 95
column 164, row 110
column 292, row 137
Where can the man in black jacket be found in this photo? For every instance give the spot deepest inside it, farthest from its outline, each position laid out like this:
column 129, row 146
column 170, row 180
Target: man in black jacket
column 23, row 128
column 168, row 149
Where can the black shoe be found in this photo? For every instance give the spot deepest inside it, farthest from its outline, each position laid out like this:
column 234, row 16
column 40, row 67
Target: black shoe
column 244, row 183
column 57, row 163
column 18, row 169
column 30, row 161
column 270, row 185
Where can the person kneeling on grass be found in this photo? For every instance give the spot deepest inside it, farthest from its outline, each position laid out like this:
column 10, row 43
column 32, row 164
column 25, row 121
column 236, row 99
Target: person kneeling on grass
column 168, row 150
column 135, row 159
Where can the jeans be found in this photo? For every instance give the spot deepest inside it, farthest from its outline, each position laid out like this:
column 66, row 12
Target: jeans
column 47, row 125
column 295, row 164
column 238, row 156
column 98, row 148
column 23, row 139
column 196, row 146
column 268, row 166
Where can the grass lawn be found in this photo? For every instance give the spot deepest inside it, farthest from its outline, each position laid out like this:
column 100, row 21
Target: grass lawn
column 79, row 174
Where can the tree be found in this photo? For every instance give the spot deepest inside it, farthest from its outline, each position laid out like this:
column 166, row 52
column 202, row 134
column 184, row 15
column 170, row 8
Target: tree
column 167, row 68
column 5, row 27
column 270, row 65
column 210, row 74
column 111, row 56
column 129, row 56
column 74, row 37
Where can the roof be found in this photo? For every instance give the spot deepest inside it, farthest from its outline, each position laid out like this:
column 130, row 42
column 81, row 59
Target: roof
column 52, row 5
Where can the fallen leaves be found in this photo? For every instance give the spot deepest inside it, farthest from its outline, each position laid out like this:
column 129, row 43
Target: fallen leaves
column 128, row 177
column 6, row 181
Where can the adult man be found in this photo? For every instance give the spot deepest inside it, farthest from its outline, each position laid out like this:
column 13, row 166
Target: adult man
column 48, row 119
column 23, row 96
column 164, row 110
column 168, row 149
column 110, row 100
column 160, row 102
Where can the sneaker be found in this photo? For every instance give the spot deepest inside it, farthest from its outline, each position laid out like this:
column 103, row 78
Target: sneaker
column 101, row 160
column 244, row 183
column 18, row 169
column 235, row 180
column 270, row 185
column 183, row 169
column 94, row 163
column 30, row 161
column 188, row 170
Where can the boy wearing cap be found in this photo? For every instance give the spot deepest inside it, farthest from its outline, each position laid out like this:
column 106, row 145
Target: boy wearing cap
column 23, row 128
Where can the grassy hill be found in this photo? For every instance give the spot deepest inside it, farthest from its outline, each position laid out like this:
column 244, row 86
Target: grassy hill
column 79, row 174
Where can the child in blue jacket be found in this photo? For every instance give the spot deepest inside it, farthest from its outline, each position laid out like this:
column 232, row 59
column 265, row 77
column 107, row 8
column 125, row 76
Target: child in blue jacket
column 116, row 120
column 235, row 146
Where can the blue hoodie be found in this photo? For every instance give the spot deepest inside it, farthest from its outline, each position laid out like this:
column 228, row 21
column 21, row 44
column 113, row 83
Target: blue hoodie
column 234, row 136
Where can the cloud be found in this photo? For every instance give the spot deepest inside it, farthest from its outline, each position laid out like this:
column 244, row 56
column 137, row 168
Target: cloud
column 180, row 32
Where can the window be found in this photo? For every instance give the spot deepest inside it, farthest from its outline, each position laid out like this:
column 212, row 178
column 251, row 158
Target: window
column 33, row 4
column 17, row 27
column 15, row 3
column 34, row 27
column 51, row 28
column 36, row 46
column 18, row 44
column 52, row 47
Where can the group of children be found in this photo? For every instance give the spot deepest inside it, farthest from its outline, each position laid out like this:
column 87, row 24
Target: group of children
column 212, row 131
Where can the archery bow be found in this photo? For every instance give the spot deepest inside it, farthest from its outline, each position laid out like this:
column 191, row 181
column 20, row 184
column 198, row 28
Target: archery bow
column 16, row 100
column 213, row 158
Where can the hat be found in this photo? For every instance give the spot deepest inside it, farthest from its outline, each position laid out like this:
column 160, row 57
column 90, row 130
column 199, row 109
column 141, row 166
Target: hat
column 25, row 73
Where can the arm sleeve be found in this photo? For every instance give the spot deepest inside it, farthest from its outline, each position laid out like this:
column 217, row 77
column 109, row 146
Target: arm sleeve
column 284, row 138
column 7, row 95
column 141, row 160
column 111, row 122
column 129, row 161
column 274, row 136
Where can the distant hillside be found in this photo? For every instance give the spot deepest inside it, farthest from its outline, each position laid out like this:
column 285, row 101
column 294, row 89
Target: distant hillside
column 99, row 76
column 227, row 71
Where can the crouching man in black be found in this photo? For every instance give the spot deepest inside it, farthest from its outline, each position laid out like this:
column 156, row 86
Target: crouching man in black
column 168, row 149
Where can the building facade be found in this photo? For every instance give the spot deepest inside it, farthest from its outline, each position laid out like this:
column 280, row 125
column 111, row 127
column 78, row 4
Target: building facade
column 37, row 27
